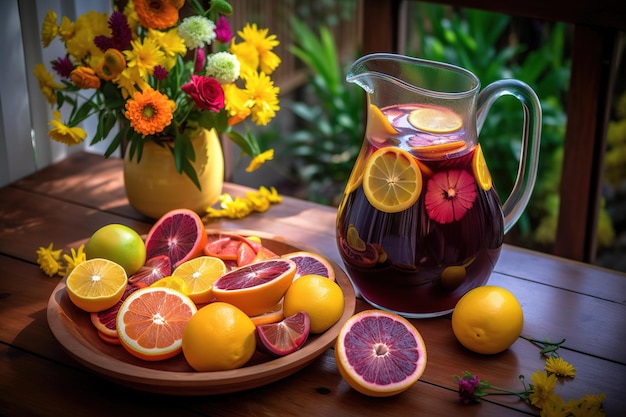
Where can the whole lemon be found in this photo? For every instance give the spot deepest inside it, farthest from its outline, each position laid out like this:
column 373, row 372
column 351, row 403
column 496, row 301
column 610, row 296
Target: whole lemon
column 120, row 244
column 218, row 337
column 319, row 296
column 487, row 319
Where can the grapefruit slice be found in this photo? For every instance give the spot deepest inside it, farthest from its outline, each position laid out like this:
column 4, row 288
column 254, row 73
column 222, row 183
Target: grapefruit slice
column 284, row 337
column 256, row 288
column 199, row 274
column 392, row 181
column 153, row 270
column 179, row 234
column 309, row 263
column 151, row 321
column 380, row 354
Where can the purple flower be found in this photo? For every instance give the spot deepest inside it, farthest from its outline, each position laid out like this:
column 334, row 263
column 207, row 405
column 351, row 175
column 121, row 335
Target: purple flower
column 200, row 60
column 468, row 385
column 63, row 66
column 223, row 33
column 160, row 73
column 121, row 34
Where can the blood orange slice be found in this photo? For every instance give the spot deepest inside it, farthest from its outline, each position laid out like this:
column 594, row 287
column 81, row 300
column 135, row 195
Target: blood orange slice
column 309, row 263
column 379, row 353
column 257, row 287
column 151, row 321
column 153, row 270
column 284, row 337
column 179, row 234
column 104, row 320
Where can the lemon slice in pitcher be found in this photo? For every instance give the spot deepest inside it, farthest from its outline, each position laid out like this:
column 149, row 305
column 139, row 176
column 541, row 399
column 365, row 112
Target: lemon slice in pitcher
column 392, row 180
column 435, row 120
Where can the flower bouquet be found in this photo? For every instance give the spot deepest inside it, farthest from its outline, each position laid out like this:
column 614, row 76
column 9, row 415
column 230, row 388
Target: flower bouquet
column 161, row 70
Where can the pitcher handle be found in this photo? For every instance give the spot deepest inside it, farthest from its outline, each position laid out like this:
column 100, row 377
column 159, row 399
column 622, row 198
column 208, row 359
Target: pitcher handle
column 518, row 199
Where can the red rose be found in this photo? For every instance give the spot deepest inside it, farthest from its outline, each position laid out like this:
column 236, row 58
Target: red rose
column 206, row 92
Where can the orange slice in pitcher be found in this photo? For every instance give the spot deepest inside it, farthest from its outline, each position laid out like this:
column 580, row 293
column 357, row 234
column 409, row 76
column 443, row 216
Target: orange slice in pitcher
column 440, row 149
column 435, row 120
column 481, row 172
column 392, row 180
column 378, row 126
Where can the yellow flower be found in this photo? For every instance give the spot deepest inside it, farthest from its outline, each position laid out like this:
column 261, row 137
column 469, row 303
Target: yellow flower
column 130, row 82
column 247, row 56
column 560, row 367
column 65, row 134
column 171, row 44
column 261, row 90
column 46, row 83
column 66, row 29
column 48, row 260
column 85, row 77
column 149, row 112
column 555, row 407
column 271, row 194
column 587, row 406
column 49, row 28
column 261, row 158
column 268, row 60
column 543, row 385
column 144, row 56
column 76, row 257
column 87, row 26
column 237, row 103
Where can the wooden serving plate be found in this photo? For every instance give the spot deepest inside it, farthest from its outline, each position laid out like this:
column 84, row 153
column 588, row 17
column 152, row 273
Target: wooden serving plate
column 73, row 329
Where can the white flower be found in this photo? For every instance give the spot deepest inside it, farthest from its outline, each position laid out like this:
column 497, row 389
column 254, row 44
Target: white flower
column 196, row 31
column 224, row 67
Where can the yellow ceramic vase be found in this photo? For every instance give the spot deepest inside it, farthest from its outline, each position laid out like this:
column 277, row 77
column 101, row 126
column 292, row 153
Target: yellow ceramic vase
column 154, row 187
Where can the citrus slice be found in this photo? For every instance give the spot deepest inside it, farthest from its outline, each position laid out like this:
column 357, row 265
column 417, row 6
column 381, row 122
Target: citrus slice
column 151, row 321
column 284, row 337
column 218, row 337
column 392, row 181
column 179, row 234
column 104, row 321
column 256, row 288
column 439, row 150
column 199, row 275
column 487, row 319
column 275, row 314
column 380, row 353
column 175, row 283
column 435, row 120
column 356, row 176
column 153, row 270
column 354, row 239
column 310, row 263
column 481, row 172
column 378, row 126
column 96, row 284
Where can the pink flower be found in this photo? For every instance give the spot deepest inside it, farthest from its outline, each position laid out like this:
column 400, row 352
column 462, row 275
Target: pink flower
column 200, row 60
column 449, row 195
column 223, row 33
column 206, row 92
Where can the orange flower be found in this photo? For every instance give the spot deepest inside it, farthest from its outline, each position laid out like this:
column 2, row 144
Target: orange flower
column 112, row 65
column 85, row 77
column 149, row 112
column 158, row 14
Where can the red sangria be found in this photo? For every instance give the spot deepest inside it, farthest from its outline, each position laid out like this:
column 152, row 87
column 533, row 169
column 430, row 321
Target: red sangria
column 420, row 223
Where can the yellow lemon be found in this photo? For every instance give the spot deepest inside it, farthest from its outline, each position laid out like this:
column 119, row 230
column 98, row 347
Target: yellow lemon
column 218, row 337
column 487, row 319
column 96, row 284
column 319, row 296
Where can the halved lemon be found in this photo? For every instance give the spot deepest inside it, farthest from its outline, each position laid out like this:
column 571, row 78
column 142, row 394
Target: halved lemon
column 435, row 120
column 392, row 180
column 481, row 172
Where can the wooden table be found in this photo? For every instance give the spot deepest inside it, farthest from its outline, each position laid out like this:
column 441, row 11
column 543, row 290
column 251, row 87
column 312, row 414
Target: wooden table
column 66, row 202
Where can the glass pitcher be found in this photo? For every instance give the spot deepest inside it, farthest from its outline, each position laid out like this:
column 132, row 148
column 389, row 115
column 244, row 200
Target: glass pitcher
column 421, row 223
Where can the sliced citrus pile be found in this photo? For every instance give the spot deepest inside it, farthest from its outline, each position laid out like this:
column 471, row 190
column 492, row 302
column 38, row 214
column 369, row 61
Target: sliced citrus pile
column 199, row 275
column 378, row 126
column 235, row 247
column 487, row 319
column 310, row 263
column 435, row 120
column 151, row 321
column 284, row 337
column 218, row 337
column 256, row 288
column 481, row 172
column 392, row 181
column 379, row 353
column 179, row 234
column 104, row 321
column 96, row 284
column 321, row 298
